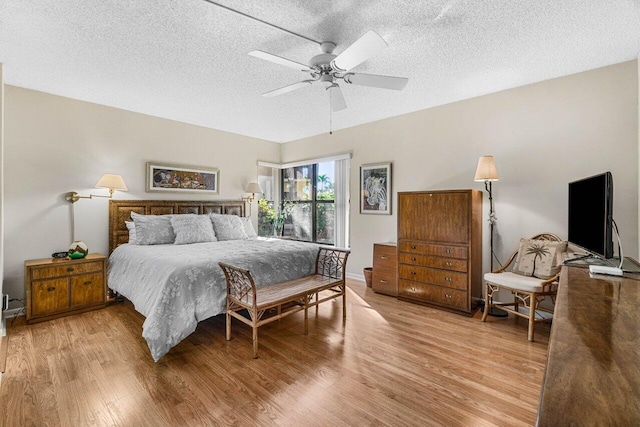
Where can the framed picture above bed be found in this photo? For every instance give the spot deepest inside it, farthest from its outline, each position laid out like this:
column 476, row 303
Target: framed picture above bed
column 375, row 188
column 163, row 177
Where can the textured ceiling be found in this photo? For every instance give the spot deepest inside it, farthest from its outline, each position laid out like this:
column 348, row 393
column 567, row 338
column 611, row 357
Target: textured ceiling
column 187, row 59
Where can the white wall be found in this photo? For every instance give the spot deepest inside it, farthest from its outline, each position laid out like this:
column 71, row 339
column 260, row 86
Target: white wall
column 542, row 137
column 54, row 145
column 2, row 324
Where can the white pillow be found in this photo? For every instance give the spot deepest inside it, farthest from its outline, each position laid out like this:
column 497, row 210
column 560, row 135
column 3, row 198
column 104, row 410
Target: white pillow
column 248, row 227
column 153, row 229
column 228, row 227
column 133, row 239
column 191, row 228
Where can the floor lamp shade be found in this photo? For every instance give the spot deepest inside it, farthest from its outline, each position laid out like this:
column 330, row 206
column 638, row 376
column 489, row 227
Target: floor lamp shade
column 486, row 170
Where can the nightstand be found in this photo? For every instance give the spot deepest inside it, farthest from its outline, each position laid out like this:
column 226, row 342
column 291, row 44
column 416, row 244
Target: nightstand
column 57, row 288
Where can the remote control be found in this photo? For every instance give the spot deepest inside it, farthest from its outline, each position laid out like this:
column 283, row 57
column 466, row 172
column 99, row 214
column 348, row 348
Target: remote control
column 601, row 269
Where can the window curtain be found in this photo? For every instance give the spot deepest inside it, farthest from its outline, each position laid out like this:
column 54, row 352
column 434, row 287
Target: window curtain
column 342, row 197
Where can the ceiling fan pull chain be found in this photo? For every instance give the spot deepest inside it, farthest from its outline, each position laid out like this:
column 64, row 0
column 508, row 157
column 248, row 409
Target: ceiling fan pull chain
column 330, row 115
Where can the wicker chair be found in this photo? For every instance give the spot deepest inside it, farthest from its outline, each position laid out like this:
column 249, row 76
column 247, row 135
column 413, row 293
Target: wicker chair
column 527, row 291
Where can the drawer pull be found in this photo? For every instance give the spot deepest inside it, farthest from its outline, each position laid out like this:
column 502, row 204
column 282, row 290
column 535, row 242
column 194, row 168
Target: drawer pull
column 413, row 258
column 413, row 273
column 448, row 264
column 51, row 288
column 383, row 281
column 447, row 279
column 448, row 251
column 70, row 269
column 88, row 282
column 384, row 257
column 413, row 247
column 447, row 296
column 413, row 289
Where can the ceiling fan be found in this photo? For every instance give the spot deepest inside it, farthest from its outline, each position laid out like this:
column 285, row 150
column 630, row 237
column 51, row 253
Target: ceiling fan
column 328, row 69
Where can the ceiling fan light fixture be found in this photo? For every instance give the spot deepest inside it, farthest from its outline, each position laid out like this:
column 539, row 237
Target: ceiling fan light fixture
column 326, row 80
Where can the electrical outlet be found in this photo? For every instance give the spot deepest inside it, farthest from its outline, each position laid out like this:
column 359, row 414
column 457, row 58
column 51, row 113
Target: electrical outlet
column 5, row 302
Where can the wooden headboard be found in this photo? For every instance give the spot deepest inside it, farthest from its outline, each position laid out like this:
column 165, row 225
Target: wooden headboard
column 120, row 211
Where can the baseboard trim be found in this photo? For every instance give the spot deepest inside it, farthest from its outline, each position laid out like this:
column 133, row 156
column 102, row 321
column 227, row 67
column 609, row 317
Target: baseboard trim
column 4, row 347
column 353, row 276
column 13, row 312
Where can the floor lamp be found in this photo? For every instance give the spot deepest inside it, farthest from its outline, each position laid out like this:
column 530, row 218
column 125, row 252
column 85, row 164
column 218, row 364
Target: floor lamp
column 488, row 173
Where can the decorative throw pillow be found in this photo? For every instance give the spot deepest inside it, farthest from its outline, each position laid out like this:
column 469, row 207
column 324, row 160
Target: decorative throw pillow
column 228, row 227
column 191, row 228
column 153, row 229
column 539, row 258
column 248, row 227
column 133, row 239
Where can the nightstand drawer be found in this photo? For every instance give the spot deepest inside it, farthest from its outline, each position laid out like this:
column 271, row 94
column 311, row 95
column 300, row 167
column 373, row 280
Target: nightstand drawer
column 49, row 296
column 384, row 282
column 65, row 269
column 384, row 257
column 87, row 289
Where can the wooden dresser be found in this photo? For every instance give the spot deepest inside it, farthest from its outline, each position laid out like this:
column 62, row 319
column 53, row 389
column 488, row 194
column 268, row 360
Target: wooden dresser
column 57, row 288
column 592, row 376
column 440, row 248
column 385, row 269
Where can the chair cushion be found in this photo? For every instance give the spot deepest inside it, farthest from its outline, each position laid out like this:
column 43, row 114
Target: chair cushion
column 515, row 281
column 539, row 258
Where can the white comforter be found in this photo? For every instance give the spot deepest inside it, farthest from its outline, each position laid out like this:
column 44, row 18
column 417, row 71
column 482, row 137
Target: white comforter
column 176, row 286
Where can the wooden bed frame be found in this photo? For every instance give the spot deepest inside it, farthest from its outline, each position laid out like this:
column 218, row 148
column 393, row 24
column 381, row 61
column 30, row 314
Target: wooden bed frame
column 120, row 211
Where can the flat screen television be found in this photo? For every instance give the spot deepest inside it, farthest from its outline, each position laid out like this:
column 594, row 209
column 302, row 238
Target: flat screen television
column 591, row 214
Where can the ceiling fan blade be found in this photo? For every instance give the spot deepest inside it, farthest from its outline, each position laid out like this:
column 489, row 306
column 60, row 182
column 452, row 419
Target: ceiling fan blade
column 288, row 88
column 337, row 99
column 279, row 60
column 383, row 82
column 363, row 48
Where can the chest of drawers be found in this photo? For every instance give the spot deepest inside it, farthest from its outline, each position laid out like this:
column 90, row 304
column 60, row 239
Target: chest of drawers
column 385, row 269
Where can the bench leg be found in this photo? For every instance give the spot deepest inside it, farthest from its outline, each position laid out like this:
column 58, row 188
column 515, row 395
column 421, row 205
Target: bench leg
column 255, row 342
column 306, row 319
column 344, row 302
column 228, row 325
column 317, row 304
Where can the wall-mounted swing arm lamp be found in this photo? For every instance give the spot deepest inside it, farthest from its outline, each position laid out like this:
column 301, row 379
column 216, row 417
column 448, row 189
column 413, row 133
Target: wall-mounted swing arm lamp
column 110, row 181
column 253, row 188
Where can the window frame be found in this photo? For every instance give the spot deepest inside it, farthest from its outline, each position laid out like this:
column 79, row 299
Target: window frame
column 313, row 201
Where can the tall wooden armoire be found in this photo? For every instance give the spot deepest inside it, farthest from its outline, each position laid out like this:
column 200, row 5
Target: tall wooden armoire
column 440, row 248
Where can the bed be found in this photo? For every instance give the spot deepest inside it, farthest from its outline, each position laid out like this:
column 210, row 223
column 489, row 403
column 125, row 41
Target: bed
column 176, row 286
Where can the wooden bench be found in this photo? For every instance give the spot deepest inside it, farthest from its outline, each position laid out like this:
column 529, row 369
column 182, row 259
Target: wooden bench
column 286, row 297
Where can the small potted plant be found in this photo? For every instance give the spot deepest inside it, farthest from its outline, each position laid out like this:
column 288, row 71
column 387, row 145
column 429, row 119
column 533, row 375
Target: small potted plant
column 276, row 217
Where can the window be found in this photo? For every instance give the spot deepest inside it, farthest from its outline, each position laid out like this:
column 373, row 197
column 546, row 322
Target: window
column 268, row 179
column 315, row 192
column 310, row 188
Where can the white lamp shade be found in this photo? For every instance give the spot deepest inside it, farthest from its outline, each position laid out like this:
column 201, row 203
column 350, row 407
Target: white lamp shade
column 112, row 182
column 486, row 170
column 253, row 187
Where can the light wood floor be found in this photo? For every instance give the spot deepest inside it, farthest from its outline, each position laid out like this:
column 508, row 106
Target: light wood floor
column 392, row 363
